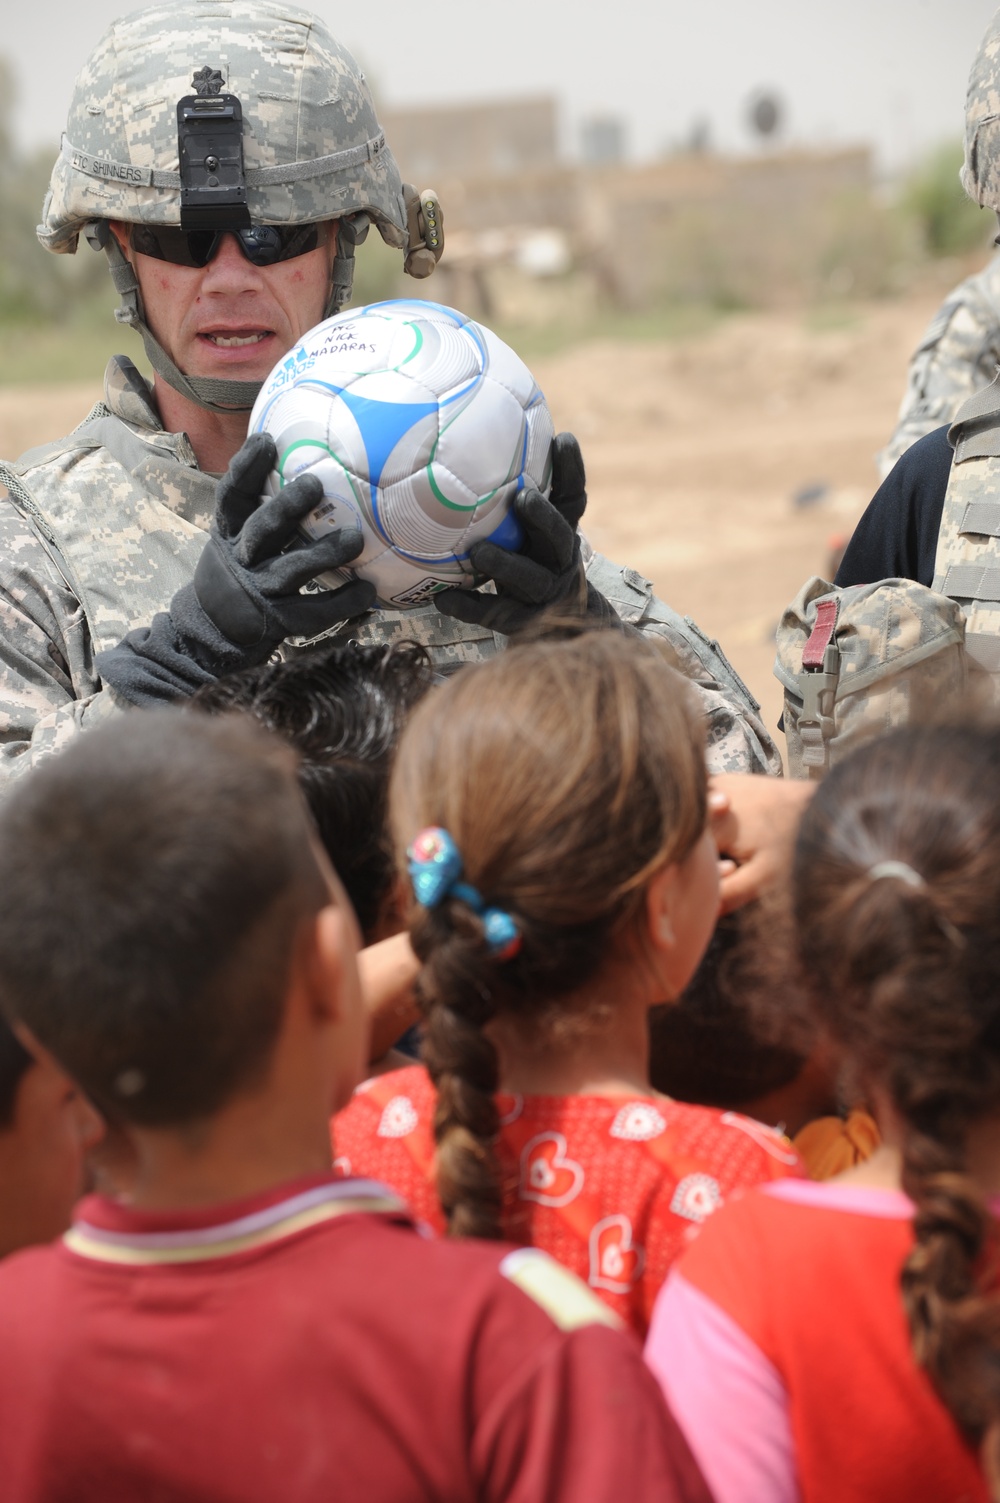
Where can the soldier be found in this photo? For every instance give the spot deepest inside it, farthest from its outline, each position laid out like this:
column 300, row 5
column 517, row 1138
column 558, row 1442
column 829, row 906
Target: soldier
column 129, row 572
column 936, row 518
column 914, row 614
column 957, row 356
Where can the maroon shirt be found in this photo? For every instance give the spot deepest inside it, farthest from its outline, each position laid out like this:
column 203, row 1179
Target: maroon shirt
column 310, row 1345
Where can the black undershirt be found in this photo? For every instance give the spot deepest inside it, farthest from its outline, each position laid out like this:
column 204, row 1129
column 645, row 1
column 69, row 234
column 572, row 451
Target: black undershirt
column 897, row 536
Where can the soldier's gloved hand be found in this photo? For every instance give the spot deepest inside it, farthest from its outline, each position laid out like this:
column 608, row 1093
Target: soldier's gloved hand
column 548, row 570
column 244, row 599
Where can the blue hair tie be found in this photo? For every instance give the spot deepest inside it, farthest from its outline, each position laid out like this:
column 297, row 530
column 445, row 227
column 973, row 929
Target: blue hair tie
column 435, row 868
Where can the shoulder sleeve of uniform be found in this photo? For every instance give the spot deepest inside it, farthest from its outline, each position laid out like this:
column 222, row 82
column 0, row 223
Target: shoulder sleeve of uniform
column 957, row 355
column 897, row 536
column 737, row 739
column 48, row 686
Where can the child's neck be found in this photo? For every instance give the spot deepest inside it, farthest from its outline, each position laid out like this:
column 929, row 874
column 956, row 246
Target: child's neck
column 256, row 1143
column 607, row 1058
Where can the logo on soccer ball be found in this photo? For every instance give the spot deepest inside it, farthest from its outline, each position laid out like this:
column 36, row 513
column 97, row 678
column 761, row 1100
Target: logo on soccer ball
column 422, row 426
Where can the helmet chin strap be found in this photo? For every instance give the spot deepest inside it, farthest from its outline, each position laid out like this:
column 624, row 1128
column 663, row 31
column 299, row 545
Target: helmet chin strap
column 205, row 391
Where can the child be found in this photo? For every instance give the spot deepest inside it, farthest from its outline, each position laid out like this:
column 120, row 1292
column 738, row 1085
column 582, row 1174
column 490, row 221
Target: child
column 45, row 1128
column 343, row 710
column 250, row 1325
column 567, row 780
column 842, row 1340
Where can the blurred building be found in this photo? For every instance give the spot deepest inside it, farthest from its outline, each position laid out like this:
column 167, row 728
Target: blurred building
column 602, row 141
column 473, row 140
column 694, row 226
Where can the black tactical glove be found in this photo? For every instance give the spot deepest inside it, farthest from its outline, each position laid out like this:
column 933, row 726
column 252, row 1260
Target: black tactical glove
column 548, row 571
column 244, row 599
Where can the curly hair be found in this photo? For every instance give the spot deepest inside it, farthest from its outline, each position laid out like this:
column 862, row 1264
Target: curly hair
column 567, row 772
column 342, row 708
column 902, row 969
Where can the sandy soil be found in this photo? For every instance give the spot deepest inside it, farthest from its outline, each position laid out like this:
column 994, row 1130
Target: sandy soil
column 696, row 450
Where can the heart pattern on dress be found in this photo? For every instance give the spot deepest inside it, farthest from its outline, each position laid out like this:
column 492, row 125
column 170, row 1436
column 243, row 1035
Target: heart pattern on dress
column 696, row 1196
column 638, row 1122
column 548, row 1175
column 399, row 1118
column 616, row 1261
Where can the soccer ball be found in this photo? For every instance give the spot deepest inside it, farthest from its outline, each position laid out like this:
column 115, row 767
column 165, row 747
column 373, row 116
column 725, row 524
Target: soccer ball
column 422, row 426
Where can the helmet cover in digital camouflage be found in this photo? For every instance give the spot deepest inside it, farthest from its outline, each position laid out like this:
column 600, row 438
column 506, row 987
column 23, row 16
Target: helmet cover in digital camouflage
column 981, row 169
column 312, row 145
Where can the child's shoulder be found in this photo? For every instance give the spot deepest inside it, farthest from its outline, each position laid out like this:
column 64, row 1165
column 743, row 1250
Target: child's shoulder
column 401, row 1097
column 740, row 1139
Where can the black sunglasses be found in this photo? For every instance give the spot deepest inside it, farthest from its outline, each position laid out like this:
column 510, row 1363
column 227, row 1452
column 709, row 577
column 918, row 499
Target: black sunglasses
column 263, row 244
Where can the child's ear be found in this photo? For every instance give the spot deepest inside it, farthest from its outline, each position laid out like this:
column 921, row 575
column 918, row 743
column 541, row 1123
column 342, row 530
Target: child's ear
column 661, row 906
column 37, row 1050
column 330, row 941
column 52, row 1082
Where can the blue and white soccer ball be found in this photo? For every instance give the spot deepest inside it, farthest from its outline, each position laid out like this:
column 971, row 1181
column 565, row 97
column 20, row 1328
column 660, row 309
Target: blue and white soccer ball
column 422, row 426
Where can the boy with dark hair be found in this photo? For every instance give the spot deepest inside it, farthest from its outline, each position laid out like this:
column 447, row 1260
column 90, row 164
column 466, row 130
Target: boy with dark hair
column 251, row 1326
column 343, row 710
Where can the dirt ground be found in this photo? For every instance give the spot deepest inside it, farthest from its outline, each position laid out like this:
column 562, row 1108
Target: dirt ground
column 696, row 450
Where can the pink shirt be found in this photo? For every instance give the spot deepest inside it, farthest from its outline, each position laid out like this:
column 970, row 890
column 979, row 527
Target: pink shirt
column 782, row 1346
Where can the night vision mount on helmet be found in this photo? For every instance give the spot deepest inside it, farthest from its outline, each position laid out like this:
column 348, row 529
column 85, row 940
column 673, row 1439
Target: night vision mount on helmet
column 221, row 115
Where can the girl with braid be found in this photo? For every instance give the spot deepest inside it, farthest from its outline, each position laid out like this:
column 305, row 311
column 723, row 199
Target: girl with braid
column 550, row 806
column 834, row 1341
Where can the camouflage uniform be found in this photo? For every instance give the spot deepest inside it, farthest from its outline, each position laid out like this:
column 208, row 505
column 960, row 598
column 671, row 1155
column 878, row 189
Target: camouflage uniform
column 960, row 351
column 858, row 660
column 103, row 526
column 958, row 355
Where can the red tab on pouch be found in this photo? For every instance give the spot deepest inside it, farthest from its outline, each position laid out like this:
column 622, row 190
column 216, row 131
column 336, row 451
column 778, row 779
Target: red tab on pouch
column 821, row 635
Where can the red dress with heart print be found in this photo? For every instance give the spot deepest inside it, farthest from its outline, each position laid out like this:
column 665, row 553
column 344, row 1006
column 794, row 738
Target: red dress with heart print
column 614, row 1188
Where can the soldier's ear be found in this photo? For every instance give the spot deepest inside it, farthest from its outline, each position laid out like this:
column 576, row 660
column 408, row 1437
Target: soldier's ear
column 119, row 229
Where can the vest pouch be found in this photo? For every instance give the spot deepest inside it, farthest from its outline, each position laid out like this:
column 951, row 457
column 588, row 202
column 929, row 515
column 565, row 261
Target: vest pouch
column 857, row 662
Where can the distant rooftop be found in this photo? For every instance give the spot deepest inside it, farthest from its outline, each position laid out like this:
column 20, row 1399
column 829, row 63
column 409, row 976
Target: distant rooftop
column 473, row 140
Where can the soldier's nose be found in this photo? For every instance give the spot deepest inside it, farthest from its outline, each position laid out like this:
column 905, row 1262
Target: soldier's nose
column 230, row 266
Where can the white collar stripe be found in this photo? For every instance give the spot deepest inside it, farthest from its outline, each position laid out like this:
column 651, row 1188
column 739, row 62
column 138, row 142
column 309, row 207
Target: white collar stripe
column 288, row 1216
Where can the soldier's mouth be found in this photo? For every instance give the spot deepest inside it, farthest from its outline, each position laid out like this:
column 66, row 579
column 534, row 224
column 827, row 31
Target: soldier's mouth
column 237, row 341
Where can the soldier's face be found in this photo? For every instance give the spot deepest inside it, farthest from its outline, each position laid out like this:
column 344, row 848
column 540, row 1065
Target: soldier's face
column 231, row 319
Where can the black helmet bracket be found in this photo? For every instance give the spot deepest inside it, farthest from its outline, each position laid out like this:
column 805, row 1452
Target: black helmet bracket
column 210, row 149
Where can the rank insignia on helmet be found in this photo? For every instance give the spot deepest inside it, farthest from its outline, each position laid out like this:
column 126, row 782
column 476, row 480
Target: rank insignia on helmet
column 207, row 81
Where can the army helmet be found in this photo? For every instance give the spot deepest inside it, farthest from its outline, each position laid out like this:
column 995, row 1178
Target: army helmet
column 223, row 114
column 981, row 169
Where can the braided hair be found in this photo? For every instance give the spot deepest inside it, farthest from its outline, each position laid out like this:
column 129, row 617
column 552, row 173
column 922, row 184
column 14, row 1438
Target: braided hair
column 896, row 913
column 567, row 772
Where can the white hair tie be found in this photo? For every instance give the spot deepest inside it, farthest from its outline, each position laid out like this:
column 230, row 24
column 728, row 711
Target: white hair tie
column 895, row 869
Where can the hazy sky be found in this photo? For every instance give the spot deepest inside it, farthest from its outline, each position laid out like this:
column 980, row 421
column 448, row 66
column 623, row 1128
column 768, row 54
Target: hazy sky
column 892, row 72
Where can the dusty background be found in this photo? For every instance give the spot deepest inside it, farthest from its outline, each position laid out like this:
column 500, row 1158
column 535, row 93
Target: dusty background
column 696, row 449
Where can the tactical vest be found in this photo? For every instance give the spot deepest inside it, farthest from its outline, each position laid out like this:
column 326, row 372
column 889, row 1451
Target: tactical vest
column 858, row 661
column 967, row 561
